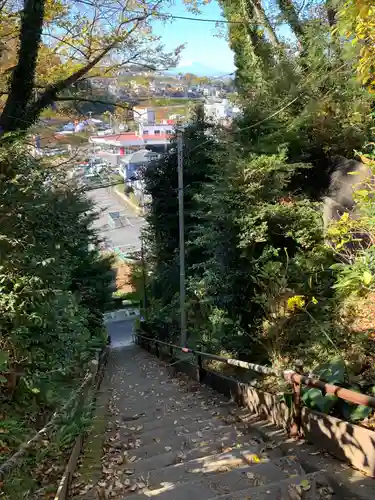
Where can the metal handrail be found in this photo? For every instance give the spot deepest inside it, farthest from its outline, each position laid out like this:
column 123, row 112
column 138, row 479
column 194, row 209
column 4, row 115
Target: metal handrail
column 289, row 375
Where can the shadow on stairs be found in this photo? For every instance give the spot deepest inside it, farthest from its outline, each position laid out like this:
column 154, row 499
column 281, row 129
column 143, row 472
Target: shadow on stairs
column 174, row 439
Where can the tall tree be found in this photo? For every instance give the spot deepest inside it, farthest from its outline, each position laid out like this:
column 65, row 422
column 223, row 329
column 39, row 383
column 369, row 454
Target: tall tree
column 80, row 38
column 356, row 23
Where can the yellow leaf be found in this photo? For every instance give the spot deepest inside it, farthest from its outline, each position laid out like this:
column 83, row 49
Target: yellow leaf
column 367, row 278
column 305, row 484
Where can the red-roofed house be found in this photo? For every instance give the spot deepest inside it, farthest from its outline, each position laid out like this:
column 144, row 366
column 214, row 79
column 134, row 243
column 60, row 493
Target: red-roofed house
column 154, row 137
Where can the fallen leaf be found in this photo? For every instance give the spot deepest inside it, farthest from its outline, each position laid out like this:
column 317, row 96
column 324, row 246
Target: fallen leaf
column 228, row 449
column 223, row 468
column 101, row 493
column 255, row 459
column 108, row 492
column 305, row 485
column 118, row 484
column 295, row 492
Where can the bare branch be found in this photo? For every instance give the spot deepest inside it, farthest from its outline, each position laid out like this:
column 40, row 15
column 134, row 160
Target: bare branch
column 50, row 94
column 94, row 101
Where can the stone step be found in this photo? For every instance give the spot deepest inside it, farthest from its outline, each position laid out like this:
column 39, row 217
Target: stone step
column 163, row 433
column 225, row 435
column 214, row 485
column 141, row 396
column 161, row 403
column 313, row 486
column 174, row 457
column 183, row 419
column 211, row 464
column 143, row 414
column 175, row 400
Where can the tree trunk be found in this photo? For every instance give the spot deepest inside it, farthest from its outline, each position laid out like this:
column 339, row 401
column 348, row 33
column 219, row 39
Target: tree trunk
column 264, row 21
column 21, row 85
column 291, row 16
column 331, row 13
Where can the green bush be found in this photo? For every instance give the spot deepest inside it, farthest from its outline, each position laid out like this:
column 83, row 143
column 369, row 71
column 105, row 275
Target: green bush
column 54, row 287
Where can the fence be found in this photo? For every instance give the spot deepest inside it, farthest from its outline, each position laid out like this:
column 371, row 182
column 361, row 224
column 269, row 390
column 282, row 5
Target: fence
column 79, row 400
column 297, row 380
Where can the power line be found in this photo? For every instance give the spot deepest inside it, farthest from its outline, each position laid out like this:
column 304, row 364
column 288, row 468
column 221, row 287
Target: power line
column 187, row 18
column 201, row 19
column 278, row 111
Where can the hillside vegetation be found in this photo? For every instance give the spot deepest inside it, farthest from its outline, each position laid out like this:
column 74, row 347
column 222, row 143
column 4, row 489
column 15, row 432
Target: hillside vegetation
column 262, row 284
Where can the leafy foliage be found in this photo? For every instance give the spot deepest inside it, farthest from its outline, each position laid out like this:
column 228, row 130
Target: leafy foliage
column 356, row 23
column 50, row 45
column 334, row 372
column 262, row 284
column 353, row 238
column 54, row 288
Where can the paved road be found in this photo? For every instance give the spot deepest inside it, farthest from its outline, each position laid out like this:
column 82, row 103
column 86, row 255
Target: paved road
column 120, row 332
column 129, row 236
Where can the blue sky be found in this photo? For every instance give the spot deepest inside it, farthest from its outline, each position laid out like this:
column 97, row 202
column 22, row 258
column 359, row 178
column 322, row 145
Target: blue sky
column 201, row 43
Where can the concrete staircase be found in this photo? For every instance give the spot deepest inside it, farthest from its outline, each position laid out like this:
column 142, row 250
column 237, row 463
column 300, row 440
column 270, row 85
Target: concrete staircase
column 173, row 439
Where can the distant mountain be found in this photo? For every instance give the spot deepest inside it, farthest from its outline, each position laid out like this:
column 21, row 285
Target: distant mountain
column 198, row 69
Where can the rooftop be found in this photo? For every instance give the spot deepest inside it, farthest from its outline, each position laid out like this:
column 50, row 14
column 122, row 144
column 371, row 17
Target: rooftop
column 131, row 136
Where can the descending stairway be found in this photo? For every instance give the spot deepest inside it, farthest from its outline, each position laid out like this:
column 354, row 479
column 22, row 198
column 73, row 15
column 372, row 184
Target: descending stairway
column 173, row 439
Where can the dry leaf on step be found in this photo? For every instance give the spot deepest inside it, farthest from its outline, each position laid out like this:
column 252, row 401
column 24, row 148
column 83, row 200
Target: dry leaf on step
column 118, row 484
column 305, row 485
column 294, row 492
column 223, row 468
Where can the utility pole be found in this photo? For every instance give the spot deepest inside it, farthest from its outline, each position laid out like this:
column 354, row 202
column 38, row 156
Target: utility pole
column 183, row 337
column 144, row 273
column 145, row 301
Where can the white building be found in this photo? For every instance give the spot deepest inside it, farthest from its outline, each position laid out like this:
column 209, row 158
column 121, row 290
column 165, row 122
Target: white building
column 218, row 111
column 144, row 115
column 156, row 129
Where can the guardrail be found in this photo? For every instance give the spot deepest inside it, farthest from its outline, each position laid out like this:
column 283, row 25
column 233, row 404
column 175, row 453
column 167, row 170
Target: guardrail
column 297, row 380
